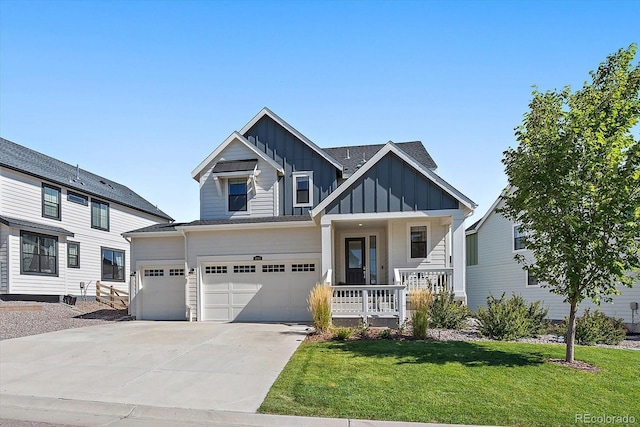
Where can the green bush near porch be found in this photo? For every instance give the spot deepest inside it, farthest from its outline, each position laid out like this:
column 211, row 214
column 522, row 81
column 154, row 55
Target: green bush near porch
column 496, row 383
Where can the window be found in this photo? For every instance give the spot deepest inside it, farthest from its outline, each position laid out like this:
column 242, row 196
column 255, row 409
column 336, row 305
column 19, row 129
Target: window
column 244, row 268
column 237, row 195
column 156, row 272
column 215, row 269
column 472, row 249
column 302, row 189
column 176, row 272
column 531, row 279
column 112, row 265
column 517, row 239
column 50, row 202
column 38, row 254
column 99, row 215
column 298, row 268
column 73, row 255
column 273, row 268
column 418, row 242
column 373, row 260
column 77, row 198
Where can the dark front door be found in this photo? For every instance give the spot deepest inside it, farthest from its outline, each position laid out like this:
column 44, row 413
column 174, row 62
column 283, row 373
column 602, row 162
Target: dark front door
column 355, row 260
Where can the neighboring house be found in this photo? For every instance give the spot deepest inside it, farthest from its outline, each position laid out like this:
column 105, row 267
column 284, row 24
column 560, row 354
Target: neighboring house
column 492, row 243
column 61, row 225
column 279, row 214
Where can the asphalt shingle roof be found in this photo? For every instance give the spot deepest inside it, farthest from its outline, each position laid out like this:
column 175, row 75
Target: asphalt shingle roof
column 159, row 228
column 20, row 223
column 31, row 162
column 358, row 153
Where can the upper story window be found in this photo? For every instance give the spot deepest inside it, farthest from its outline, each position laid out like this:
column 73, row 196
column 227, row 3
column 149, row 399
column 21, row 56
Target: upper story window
column 112, row 265
column 302, row 189
column 99, row 215
column 518, row 244
column 38, row 254
column 418, row 236
column 77, row 198
column 50, row 201
column 237, row 195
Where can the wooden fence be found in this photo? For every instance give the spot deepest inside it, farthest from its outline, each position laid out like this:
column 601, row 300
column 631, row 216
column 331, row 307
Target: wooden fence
column 111, row 296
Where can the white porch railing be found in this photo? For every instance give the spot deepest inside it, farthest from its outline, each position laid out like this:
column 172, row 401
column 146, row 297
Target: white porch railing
column 365, row 301
column 435, row 280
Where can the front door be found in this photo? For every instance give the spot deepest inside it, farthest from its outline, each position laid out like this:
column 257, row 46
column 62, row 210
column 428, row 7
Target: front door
column 355, row 260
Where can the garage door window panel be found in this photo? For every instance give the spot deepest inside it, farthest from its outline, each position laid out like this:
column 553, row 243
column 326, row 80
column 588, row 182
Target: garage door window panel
column 244, row 268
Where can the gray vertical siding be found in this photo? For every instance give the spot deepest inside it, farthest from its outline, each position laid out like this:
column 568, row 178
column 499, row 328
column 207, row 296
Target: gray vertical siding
column 392, row 185
column 294, row 156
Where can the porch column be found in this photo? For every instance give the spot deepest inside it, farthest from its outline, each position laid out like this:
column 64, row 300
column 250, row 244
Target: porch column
column 327, row 251
column 458, row 258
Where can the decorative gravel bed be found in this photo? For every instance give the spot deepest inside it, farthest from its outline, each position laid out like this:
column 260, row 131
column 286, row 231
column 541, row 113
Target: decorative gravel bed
column 24, row 318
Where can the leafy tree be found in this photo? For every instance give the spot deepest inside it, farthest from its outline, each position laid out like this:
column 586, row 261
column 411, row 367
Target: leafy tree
column 574, row 185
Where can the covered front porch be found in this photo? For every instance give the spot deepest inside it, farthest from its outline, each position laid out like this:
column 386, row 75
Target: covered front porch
column 373, row 262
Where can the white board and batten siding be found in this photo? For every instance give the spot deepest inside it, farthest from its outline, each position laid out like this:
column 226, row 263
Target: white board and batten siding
column 21, row 197
column 498, row 272
column 262, row 201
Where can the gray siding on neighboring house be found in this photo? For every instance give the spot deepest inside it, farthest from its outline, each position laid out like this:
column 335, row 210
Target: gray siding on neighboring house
column 392, row 185
column 294, row 156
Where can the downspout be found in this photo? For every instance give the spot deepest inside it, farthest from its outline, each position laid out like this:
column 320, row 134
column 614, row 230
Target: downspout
column 187, row 274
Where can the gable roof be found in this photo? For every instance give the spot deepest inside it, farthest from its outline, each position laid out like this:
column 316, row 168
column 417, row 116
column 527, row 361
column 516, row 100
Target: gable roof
column 34, row 163
column 266, row 112
column 235, row 136
column 473, row 228
column 391, row 147
column 359, row 154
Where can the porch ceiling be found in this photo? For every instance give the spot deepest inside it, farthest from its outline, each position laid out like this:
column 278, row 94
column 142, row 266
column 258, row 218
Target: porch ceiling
column 355, row 224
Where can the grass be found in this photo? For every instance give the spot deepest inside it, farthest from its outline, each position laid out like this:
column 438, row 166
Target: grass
column 485, row 383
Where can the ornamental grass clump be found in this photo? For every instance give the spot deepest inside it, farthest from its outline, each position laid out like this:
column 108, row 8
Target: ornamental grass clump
column 420, row 303
column 320, row 307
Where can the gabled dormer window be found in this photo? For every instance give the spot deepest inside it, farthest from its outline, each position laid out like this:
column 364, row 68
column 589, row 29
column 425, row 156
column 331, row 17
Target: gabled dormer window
column 50, row 201
column 302, row 189
column 237, row 194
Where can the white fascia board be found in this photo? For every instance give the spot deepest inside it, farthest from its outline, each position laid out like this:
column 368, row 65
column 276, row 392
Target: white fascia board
column 391, row 147
column 488, row 213
column 152, row 234
column 245, row 226
column 235, row 136
column 267, row 112
column 418, row 215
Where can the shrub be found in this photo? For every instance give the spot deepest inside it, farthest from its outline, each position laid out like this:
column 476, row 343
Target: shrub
column 341, row 334
column 511, row 319
column 320, row 306
column 447, row 313
column 385, row 334
column 420, row 304
column 596, row 328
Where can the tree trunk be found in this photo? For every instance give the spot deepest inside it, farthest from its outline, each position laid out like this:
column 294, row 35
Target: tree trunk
column 571, row 331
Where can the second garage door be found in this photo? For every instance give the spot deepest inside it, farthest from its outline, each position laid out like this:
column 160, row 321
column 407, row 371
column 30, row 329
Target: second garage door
column 258, row 291
column 163, row 293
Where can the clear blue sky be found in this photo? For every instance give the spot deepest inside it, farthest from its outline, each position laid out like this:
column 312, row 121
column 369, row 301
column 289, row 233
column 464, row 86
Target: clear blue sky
column 141, row 92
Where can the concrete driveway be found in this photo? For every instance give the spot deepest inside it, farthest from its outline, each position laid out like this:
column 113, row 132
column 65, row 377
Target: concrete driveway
column 210, row 366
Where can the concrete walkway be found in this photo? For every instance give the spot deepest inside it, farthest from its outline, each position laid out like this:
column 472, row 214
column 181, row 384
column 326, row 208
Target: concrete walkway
column 205, row 366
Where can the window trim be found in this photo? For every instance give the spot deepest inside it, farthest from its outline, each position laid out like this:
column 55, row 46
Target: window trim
column 295, row 175
column 59, row 190
column 247, row 210
column 77, row 244
column 124, row 264
column 57, row 255
column 97, row 227
column 71, row 194
column 428, row 242
column 513, row 239
column 526, row 281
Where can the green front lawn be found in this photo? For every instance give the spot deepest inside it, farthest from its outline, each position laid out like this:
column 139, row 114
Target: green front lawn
column 482, row 383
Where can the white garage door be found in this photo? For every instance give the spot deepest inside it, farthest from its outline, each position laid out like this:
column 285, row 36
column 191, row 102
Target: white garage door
column 163, row 293
column 258, row 291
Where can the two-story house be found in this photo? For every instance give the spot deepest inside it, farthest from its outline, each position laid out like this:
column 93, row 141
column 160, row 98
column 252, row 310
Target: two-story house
column 61, row 225
column 279, row 214
column 492, row 243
